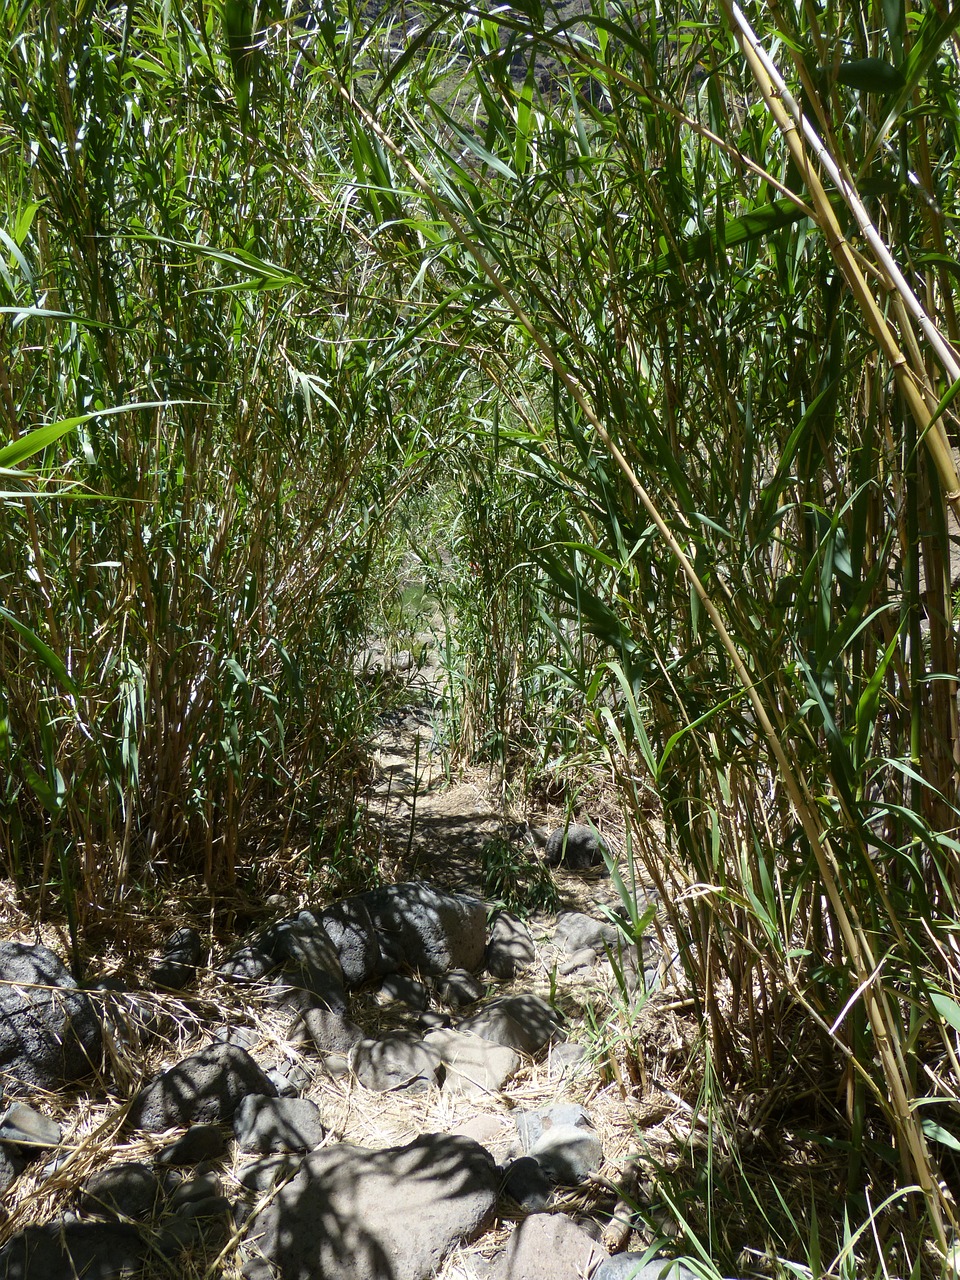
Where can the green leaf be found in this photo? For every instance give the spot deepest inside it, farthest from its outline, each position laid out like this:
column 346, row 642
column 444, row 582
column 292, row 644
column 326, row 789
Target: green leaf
column 870, row 699
column 238, row 28
column 51, row 797
column 43, row 651
column 755, row 224
column 870, row 75
column 948, row 1009
column 937, row 1132
column 36, row 441
column 932, row 35
column 893, row 14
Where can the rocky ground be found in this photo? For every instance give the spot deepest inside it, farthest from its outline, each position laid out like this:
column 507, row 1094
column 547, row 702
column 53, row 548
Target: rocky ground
column 408, row 1083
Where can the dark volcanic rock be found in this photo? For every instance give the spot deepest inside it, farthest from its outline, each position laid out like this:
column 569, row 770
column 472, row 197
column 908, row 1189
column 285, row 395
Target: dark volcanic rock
column 353, row 1214
column 266, row 1125
column 458, row 989
column 427, row 930
column 65, row 1250
column 576, row 932
column 577, row 848
column 50, row 1034
column 330, row 1031
column 205, row 1087
column 302, row 940
column 630, row 1266
column 351, row 930
column 177, row 966
column 511, row 948
column 522, row 1022
column 247, row 964
column 28, row 1128
column 563, row 1141
column 12, row 1164
column 128, row 1190
column 548, row 1244
column 527, row 1184
column 396, row 1062
column 474, row 1066
column 200, row 1142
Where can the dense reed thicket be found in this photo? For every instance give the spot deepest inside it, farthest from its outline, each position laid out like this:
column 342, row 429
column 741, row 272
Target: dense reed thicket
column 190, row 560
column 682, row 377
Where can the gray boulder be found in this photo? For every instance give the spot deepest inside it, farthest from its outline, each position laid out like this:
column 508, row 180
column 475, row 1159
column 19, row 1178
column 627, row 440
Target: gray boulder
column 458, row 988
column 576, row 932
column 127, row 1190
column 511, row 948
column 177, row 965
column 576, row 848
column 523, row 1022
column 202, row 1187
column 350, row 928
column 330, row 1031
column 527, row 1184
column 303, row 940
column 563, row 1142
column 474, row 1067
column 631, row 1266
column 547, row 1244
column 204, row 1224
column 565, row 1059
column 205, row 1087
column 12, row 1164
column 400, row 988
column 50, row 1034
column 266, row 1125
column 200, row 1142
column 396, row 1062
column 585, row 958
column 311, row 975
column 29, row 1128
column 263, row 1175
column 427, row 930
column 353, row 1214
column 65, row 1250
column 247, row 964
column 567, row 1154
column 532, row 1125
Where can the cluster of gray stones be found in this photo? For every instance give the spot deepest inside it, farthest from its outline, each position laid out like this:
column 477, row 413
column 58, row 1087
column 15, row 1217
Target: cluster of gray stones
column 308, row 1207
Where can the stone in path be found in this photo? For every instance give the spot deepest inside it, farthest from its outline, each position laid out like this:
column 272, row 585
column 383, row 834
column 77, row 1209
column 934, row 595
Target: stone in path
column 177, row 965
column 458, row 989
column 12, row 1164
column 200, row 1142
column 563, row 1142
column 50, row 1034
column 126, row 1190
column 547, row 1244
column 523, row 1022
column 266, row 1125
column 475, row 1067
column 527, row 1184
column 65, row 1250
column 577, row 848
column 631, row 1266
column 205, row 1087
column 396, row 1062
column 575, row 932
column 28, row 1128
column 427, row 930
column 354, row 1214
column 511, row 948
column 351, row 930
